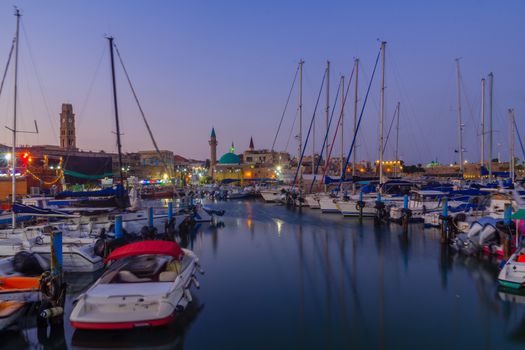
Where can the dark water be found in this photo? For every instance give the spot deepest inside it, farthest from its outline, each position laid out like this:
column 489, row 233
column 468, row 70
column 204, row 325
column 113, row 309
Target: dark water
column 281, row 279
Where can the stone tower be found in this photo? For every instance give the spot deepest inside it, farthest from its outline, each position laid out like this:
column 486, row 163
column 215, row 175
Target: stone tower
column 67, row 127
column 213, row 149
column 251, row 147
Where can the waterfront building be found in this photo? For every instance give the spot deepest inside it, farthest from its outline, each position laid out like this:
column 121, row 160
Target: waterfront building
column 251, row 165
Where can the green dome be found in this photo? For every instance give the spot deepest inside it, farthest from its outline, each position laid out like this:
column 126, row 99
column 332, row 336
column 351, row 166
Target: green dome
column 230, row 158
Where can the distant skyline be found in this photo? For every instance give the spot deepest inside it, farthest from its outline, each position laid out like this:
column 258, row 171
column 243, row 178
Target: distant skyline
column 229, row 65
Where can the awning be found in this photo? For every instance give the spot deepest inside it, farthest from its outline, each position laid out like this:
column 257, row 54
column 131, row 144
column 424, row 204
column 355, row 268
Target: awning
column 146, row 247
column 519, row 215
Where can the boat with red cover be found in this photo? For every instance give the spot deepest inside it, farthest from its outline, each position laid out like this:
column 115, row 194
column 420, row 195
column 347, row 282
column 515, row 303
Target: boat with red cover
column 146, row 285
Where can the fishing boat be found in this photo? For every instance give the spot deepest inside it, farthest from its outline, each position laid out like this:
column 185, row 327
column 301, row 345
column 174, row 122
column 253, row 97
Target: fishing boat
column 20, row 288
column 512, row 275
column 146, row 285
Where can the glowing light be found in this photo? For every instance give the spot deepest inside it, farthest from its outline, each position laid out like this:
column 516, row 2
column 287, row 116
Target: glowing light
column 7, row 156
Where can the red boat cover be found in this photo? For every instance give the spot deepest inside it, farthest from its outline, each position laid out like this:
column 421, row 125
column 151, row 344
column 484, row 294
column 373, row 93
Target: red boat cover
column 146, row 247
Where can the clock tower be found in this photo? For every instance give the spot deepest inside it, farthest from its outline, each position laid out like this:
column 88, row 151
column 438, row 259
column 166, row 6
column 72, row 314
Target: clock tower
column 67, row 127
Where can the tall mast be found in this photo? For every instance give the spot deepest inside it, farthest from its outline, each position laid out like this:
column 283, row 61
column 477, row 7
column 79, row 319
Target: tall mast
column 13, row 152
column 396, row 166
column 342, row 124
column 382, row 112
column 356, row 70
column 511, row 145
column 300, row 138
column 327, row 112
column 491, row 87
column 460, row 124
column 482, row 158
column 119, row 145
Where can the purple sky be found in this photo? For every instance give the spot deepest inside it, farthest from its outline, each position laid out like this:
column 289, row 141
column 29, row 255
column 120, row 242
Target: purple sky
column 229, row 64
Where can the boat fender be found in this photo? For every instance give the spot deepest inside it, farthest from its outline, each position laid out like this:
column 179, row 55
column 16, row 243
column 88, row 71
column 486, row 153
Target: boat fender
column 187, row 295
column 52, row 312
column 195, row 282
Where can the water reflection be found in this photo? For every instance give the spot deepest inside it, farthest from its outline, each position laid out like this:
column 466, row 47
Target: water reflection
column 279, row 278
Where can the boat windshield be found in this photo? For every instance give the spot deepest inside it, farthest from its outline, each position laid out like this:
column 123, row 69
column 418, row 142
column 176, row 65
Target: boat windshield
column 145, row 268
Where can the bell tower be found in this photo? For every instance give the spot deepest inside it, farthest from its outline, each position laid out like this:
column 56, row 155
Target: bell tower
column 67, row 127
column 213, row 150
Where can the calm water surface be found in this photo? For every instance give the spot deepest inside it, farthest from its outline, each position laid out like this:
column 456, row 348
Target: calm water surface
column 278, row 278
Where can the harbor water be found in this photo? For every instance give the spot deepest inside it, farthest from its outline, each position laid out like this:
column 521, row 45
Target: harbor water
column 283, row 278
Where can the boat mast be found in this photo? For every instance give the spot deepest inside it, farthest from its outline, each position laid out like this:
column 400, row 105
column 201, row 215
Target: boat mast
column 327, row 111
column 396, row 166
column 356, row 69
column 119, row 145
column 491, row 86
column 511, row 146
column 300, row 138
column 460, row 124
column 382, row 112
column 342, row 122
column 13, row 151
column 482, row 159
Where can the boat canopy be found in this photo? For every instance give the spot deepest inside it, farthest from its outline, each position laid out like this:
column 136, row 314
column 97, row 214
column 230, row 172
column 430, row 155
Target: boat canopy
column 146, row 247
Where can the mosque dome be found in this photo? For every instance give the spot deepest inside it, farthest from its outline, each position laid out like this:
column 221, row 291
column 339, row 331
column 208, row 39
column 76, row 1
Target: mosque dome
column 230, row 158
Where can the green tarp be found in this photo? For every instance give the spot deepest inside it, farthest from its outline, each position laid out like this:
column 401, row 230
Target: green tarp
column 85, row 176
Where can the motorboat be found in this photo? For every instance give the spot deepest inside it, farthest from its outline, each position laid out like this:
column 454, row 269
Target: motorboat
column 512, row 275
column 146, row 285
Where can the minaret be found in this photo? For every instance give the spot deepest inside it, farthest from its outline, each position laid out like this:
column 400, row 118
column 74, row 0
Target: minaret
column 67, row 127
column 213, row 149
column 251, row 144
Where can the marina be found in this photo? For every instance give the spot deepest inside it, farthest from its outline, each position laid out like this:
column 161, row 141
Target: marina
column 216, row 179
column 322, row 281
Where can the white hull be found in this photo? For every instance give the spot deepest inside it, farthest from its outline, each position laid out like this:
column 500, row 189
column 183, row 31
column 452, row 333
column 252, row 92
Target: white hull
column 122, row 305
column 349, row 208
column 328, row 205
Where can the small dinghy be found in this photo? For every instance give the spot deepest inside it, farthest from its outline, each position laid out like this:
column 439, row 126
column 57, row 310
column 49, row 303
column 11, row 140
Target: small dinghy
column 10, row 311
column 146, row 285
column 512, row 275
column 20, row 288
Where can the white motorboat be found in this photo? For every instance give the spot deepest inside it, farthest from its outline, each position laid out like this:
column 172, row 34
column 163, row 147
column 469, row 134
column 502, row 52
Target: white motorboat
column 512, row 275
column 146, row 285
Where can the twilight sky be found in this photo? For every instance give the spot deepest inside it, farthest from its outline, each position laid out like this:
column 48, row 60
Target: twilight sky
column 230, row 64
